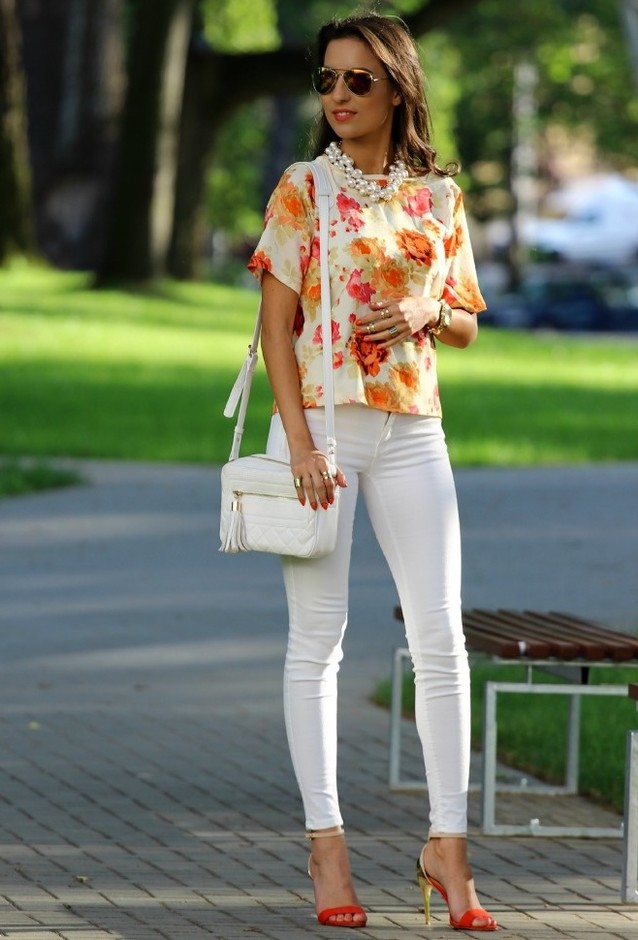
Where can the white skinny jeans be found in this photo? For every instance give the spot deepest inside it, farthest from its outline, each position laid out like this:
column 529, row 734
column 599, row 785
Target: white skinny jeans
column 400, row 462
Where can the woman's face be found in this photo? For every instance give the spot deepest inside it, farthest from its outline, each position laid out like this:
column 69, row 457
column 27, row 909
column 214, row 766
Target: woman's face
column 359, row 118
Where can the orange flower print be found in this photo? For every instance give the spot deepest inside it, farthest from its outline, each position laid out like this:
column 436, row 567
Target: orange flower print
column 337, row 360
column 380, row 395
column 464, row 293
column 292, row 203
column 474, row 298
column 416, row 246
column 389, row 275
column 369, row 356
column 453, row 242
column 360, row 246
column 260, row 261
column 407, row 374
column 286, row 206
column 313, row 292
column 360, row 290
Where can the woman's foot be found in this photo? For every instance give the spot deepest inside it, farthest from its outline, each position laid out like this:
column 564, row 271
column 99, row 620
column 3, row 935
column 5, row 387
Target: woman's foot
column 336, row 902
column 444, row 860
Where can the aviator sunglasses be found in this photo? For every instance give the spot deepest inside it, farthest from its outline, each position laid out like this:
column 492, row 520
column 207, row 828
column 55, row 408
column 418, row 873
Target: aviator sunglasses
column 359, row 81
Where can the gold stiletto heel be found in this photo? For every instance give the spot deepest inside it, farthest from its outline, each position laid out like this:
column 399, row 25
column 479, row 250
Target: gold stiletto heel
column 466, row 920
column 426, row 888
column 324, row 916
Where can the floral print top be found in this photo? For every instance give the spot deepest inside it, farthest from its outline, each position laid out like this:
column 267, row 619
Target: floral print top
column 413, row 244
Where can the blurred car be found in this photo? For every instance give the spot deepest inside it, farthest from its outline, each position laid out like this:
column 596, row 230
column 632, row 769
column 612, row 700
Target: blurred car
column 565, row 299
column 594, row 220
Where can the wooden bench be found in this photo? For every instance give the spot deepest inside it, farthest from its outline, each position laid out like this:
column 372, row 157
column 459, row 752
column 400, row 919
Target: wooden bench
column 562, row 644
column 629, row 885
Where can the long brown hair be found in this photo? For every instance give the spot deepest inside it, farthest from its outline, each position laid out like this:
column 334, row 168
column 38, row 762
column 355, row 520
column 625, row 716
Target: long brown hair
column 391, row 42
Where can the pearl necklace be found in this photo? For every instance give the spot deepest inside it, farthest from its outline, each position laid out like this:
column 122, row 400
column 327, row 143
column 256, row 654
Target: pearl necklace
column 370, row 189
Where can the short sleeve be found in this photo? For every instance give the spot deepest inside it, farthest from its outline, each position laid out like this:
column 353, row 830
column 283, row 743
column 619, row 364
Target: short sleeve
column 284, row 248
column 461, row 283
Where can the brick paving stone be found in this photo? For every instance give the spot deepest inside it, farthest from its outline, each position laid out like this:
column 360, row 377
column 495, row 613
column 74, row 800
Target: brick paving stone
column 34, row 934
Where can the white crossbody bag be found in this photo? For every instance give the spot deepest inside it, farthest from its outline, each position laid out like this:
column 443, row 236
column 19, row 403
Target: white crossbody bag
column 260, row 509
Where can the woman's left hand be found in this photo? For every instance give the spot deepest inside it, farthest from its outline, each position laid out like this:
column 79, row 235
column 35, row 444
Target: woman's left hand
column 393, row 321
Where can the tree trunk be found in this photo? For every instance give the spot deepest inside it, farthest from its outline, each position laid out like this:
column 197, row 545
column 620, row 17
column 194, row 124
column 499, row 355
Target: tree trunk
column 285, row 108
column 74, row 62
column 140, row 223
column 15, row 204
column 217, row 84
column 199, row 128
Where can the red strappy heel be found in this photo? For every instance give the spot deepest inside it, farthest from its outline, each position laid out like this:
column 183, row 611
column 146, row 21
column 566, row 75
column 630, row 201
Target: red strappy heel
column 466, row 920
column 324, row 917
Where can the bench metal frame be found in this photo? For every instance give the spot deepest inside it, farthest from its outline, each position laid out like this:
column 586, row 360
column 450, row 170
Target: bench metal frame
column 629, row 884
column 572, row 759
column 575, row 689
column 629, row 881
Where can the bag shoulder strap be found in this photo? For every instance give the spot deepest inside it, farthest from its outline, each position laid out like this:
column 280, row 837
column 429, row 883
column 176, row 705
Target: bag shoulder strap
column 324, row 198
column 240, row 392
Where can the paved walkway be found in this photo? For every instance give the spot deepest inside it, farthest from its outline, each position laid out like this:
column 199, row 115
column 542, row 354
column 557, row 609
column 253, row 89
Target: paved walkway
column 145, row 787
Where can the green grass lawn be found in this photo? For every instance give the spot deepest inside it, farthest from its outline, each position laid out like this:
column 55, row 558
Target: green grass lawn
column 146, row 375
column 18, row 477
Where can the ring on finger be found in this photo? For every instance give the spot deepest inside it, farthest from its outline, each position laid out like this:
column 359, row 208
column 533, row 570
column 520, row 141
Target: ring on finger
column 325, row 474
column 371, row 327
column 297, row 482
column 385, row 314
column 393, row 331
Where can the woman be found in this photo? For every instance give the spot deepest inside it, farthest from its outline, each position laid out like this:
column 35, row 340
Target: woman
column 402, row 274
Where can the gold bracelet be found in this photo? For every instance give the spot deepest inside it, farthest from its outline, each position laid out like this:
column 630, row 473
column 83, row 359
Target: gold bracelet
column 445, row 318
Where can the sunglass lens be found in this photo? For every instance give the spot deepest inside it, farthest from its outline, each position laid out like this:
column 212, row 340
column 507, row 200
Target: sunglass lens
column 358, row 81
column 324, row 80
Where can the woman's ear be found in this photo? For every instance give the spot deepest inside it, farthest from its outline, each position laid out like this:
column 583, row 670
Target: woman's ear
column 397, row 99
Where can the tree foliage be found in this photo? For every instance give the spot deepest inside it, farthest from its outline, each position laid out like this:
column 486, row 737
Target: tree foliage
column 584, row 88
column 240, row 25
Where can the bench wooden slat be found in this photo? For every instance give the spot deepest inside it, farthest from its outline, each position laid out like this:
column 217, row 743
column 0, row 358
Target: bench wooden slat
column 618, row 646
column 486, row 636
column 592, row 644
column 566, row 644
column 514, row 625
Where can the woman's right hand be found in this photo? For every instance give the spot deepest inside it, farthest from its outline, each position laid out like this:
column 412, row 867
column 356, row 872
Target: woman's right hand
column 315, row 478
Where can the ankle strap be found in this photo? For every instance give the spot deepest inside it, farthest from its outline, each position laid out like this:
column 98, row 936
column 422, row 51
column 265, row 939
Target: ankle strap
column 324, row 833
